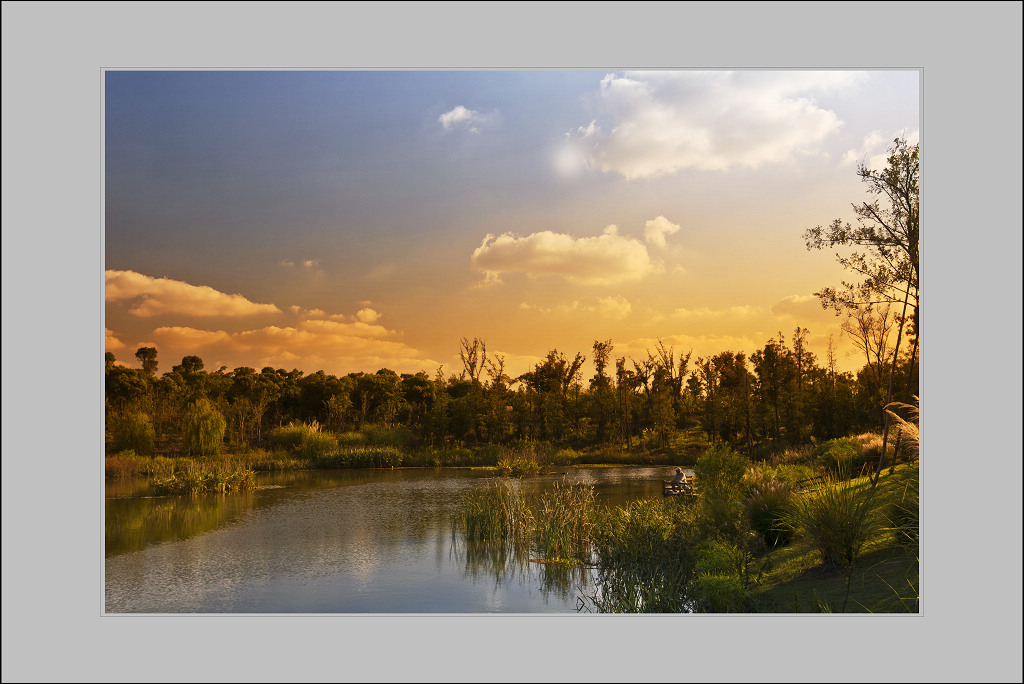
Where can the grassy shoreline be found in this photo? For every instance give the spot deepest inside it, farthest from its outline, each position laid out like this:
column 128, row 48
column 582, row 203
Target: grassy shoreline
column 735, row 548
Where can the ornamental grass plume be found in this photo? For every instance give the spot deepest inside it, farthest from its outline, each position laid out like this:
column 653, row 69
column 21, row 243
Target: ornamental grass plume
column 910, row 428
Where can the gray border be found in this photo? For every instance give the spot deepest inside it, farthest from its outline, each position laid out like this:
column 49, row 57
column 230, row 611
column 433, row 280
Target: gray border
column 52, row 276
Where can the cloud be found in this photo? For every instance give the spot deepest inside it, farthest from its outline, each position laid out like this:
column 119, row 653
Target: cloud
column 732, row 312
column 323, row 343
column 467, row 119
column 605, row 259
column 183, row 336
column 307, row 264
column 874, row 148
column 656, row 229
column 802, row 307
column 110, row 342
column 367, row 315
column 162, row 295
column 616, row 307
column 664, row 121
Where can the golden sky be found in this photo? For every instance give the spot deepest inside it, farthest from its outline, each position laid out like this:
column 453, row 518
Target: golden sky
column 350, row 221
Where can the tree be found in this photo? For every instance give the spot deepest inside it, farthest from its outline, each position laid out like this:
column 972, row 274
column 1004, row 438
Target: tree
column 203, row 429
column 603, row 403
column 890, row 234
column 147, row 357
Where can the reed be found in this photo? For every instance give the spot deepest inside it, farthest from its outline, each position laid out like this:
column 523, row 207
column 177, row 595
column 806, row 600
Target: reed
column 496, row 513
column 645, row 561
column 565, row 522
column 196, row 481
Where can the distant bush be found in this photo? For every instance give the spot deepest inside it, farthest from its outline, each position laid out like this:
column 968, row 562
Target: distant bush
column 351, row 439
column 317, row 445
column 289, row 438
column 518, row 467
column 134, row 433
column 840, row 455
column 382, row 435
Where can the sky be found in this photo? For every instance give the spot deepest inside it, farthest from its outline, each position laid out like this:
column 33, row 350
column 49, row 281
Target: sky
column 346, row 221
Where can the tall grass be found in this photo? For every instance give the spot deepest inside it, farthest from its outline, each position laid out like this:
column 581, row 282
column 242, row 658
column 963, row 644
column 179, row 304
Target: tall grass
column 645, row 560
column 766, row 503
column 496, row 512
column 203, row 481
column 565, row 522
column 902, row 515
column 836, row 518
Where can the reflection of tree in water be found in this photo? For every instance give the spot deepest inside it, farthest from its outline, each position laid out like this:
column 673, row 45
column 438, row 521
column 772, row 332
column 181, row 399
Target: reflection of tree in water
column 133, row 524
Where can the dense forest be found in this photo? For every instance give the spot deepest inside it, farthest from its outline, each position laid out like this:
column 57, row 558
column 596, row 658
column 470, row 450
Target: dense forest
column 778, row 396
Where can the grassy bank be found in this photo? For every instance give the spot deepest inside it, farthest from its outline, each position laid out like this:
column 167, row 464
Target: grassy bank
column 756, row 538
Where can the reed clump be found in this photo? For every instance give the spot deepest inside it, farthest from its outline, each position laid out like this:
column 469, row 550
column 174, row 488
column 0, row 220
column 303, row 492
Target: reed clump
column 202, row 481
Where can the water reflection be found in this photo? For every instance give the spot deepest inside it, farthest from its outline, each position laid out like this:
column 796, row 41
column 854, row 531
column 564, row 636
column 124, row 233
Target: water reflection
column 334, row 542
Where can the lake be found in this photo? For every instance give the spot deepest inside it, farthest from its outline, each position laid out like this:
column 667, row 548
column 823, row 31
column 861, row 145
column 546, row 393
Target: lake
column 336, row 541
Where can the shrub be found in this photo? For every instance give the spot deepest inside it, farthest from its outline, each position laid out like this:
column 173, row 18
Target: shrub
column 766, row 505
column 203, row 429
column 317, row 445
column 518, row 467
column 719, row 570
column 840, row 455
column 134, row 433
column 351, row 439
column 384, row 435
column 719, row 474
column 837, row 518
column 289, row 437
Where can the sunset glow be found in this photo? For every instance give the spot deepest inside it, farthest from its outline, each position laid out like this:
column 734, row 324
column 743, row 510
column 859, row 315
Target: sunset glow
column 353, row 220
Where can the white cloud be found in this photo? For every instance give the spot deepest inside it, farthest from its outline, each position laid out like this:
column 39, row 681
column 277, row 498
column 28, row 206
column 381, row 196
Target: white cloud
column 656, row 229
column 162, row 295
column 873, row 150
column 461, row 117
column 607, row 258
column 664, row 121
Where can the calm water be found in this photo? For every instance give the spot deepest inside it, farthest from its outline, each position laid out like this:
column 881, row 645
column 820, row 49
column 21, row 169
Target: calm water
column 343, row 541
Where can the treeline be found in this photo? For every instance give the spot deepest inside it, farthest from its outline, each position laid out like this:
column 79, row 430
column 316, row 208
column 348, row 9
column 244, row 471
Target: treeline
column 777, row 397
